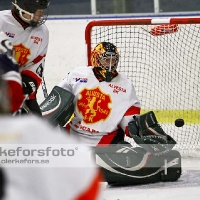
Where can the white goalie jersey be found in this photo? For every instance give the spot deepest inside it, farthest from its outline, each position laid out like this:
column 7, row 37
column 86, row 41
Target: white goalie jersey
column 101, row 108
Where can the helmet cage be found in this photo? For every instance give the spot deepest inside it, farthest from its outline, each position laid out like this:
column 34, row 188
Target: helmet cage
column 108, row 61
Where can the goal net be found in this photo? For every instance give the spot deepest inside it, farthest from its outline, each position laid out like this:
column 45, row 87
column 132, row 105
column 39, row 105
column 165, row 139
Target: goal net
column 162, row 58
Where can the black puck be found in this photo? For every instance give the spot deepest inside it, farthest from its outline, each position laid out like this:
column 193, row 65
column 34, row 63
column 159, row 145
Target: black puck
column 179, row 122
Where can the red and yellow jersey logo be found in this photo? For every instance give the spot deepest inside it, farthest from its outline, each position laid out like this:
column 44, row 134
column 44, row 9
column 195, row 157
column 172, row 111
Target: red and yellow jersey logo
column 21, row 54
column 94, row 105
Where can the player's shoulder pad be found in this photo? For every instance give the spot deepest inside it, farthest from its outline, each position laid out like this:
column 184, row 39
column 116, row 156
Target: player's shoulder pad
column 4, row 12
column 123, row 77
column 82, row 70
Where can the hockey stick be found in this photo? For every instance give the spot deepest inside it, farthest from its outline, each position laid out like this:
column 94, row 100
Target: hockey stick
column 44, row 88
column 24, row 107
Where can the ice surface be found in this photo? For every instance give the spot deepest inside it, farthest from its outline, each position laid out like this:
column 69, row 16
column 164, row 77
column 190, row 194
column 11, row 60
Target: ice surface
column 186, row 188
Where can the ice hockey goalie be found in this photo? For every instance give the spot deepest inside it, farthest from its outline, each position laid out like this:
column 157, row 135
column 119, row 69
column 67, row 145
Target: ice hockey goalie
column 152, row 160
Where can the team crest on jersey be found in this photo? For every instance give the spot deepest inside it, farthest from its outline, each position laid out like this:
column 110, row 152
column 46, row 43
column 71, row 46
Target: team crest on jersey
column 21, row 54
column 94, row 105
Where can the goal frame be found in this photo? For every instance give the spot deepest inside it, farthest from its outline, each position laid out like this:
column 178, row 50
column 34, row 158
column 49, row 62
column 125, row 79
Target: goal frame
column 138, row 21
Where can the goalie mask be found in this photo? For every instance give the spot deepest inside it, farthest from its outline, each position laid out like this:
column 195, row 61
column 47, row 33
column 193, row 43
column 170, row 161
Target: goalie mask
column 105, row 58
column 34, row 12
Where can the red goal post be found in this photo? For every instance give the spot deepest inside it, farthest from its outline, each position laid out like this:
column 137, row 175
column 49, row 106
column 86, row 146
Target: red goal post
column 162, row 58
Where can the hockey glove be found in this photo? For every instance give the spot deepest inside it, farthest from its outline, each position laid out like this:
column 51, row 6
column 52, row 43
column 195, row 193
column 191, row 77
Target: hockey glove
column 29, row 84
column 146, row 132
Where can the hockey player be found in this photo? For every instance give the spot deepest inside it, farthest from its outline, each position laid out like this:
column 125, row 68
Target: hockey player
column 105, row 99
column 10, row 70
column 50, row 183
column 106, row 108
column 24, row 25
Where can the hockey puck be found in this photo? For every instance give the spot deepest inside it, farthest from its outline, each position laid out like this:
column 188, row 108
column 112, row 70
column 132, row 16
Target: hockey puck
column 179, row 122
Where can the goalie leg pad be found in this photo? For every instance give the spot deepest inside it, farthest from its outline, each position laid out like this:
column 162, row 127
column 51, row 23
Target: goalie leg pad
column 58, row 106
column 131, row 166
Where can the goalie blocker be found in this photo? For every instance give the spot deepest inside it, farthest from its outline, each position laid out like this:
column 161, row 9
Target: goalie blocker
column 154, row 161
column 58, row 107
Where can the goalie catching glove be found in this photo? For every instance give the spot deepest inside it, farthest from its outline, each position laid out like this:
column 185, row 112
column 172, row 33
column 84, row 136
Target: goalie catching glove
column 147, row 133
